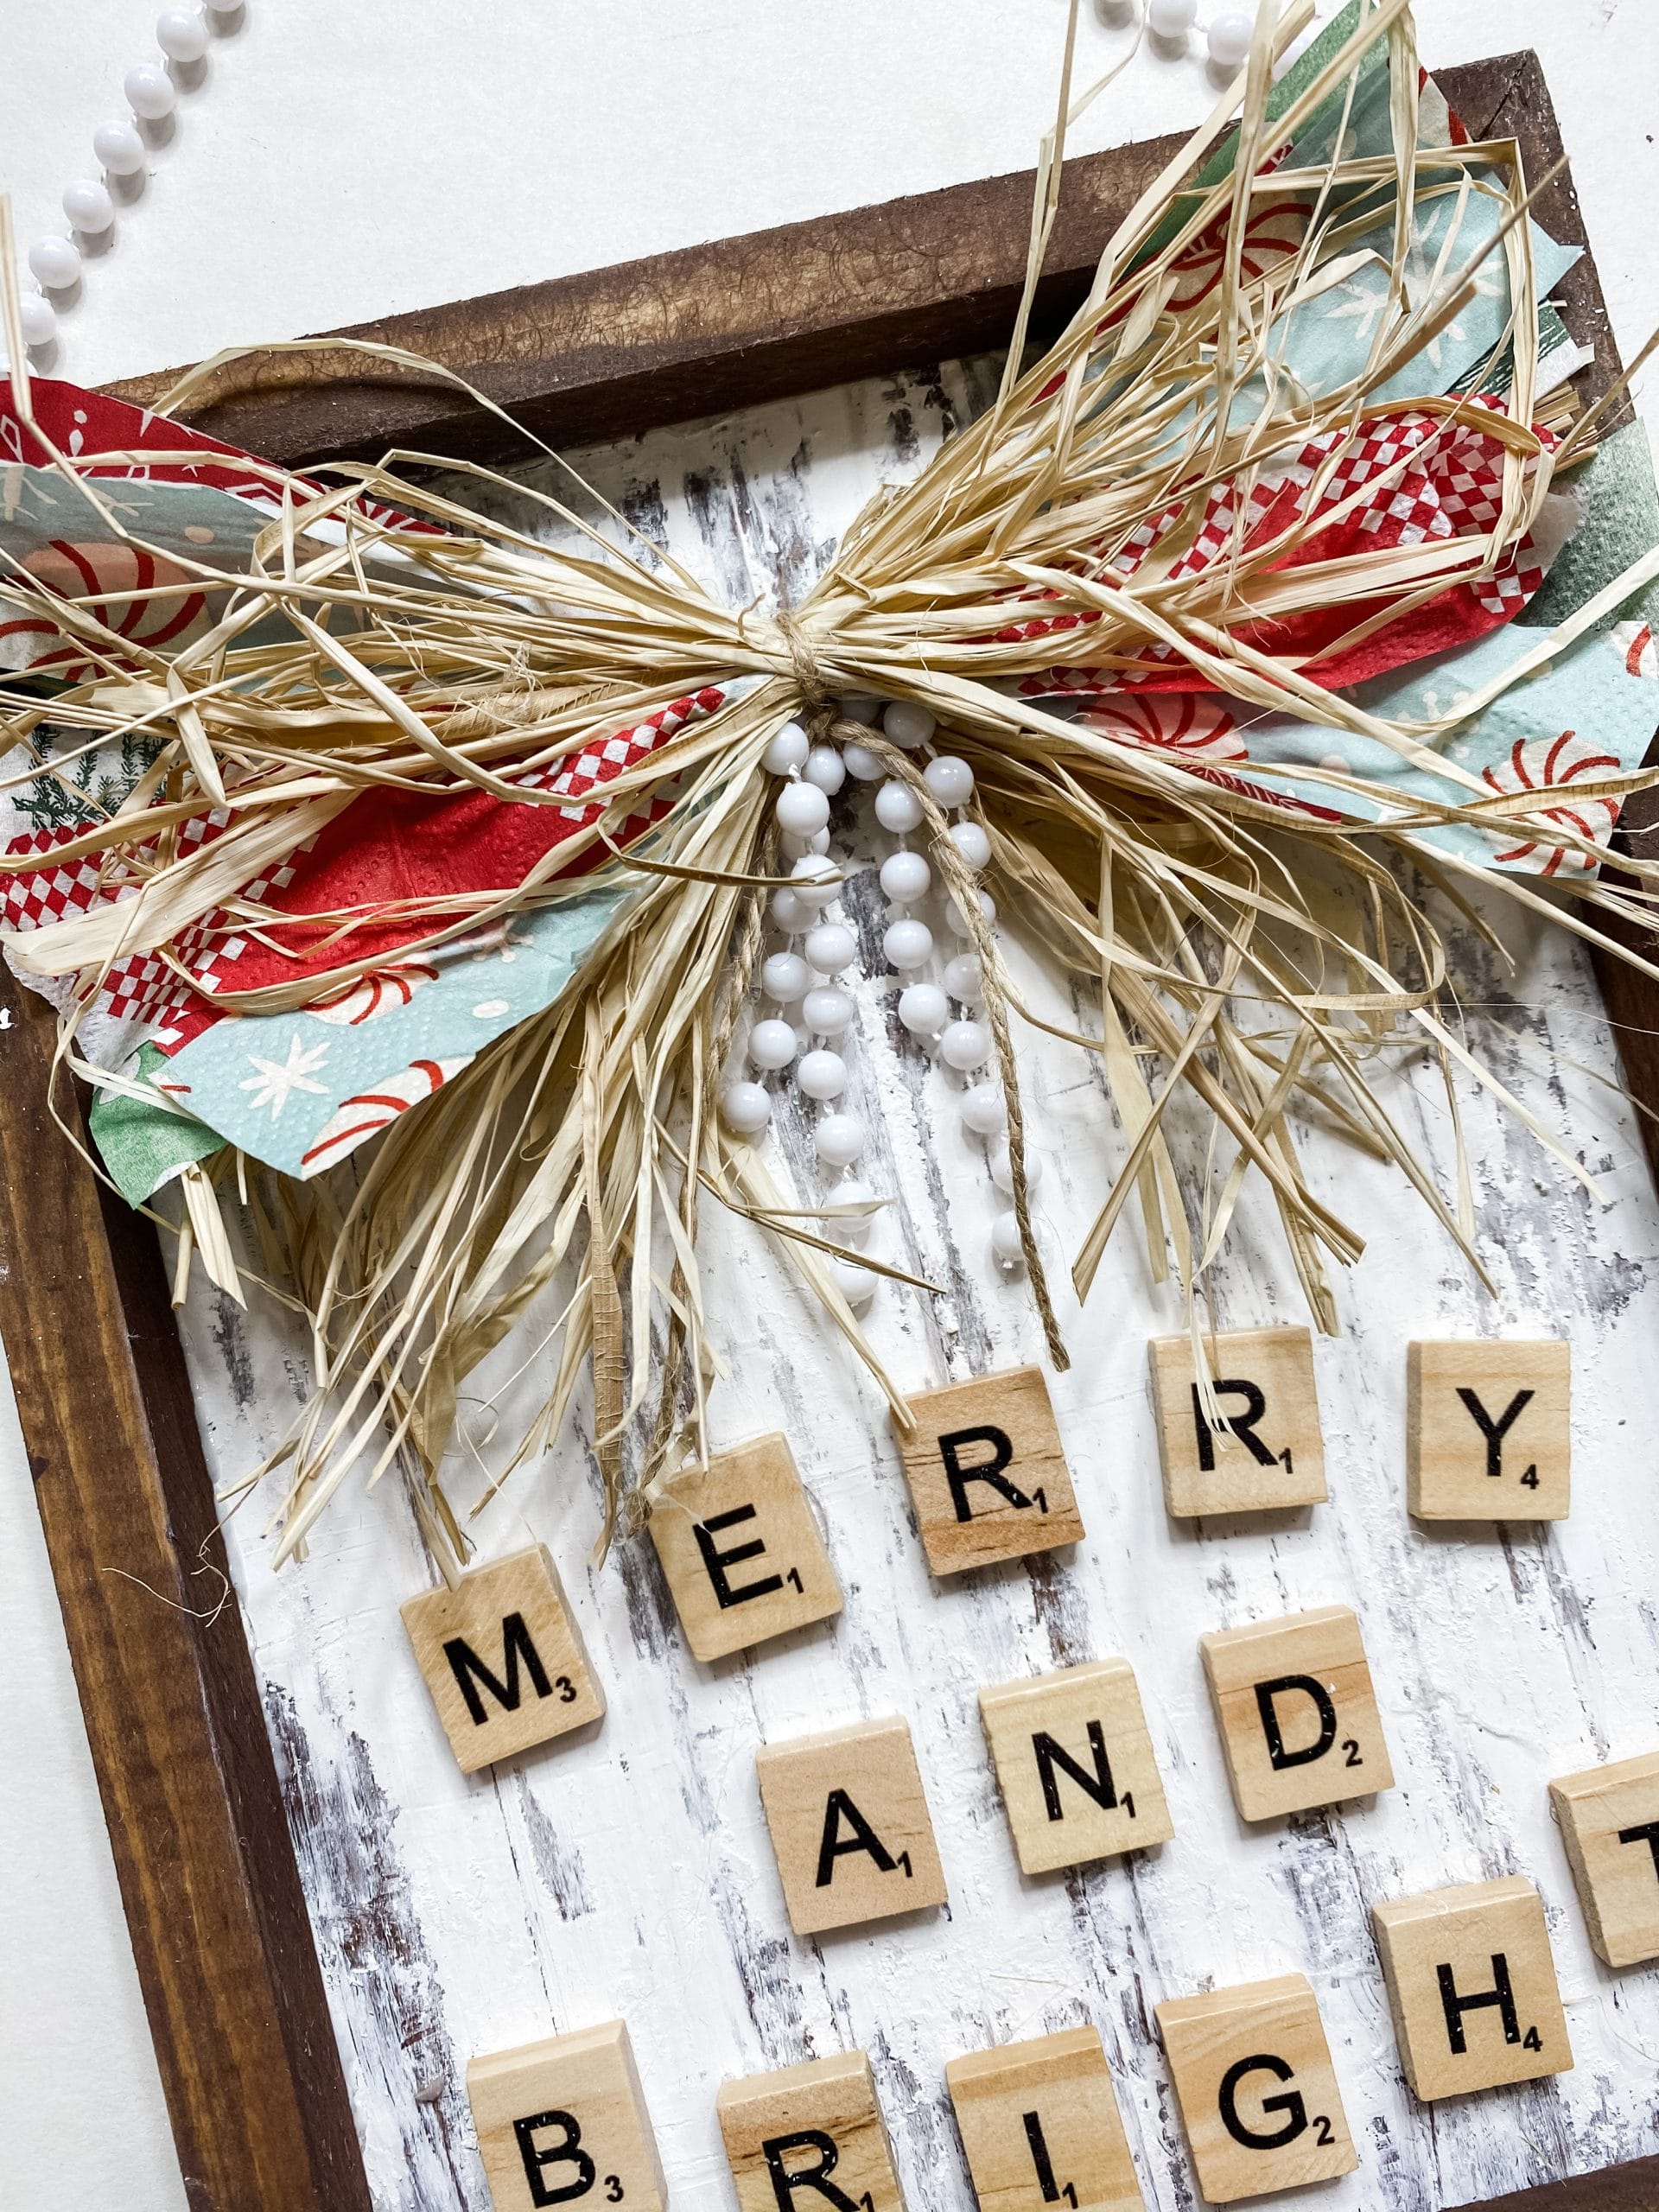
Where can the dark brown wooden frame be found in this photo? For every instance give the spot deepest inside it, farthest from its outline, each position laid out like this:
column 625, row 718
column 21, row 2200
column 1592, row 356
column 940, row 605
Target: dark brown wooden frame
column 219, row 1927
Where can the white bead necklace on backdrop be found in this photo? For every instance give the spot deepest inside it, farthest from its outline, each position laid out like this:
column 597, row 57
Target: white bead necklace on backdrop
column 124, row 150
column 92, row 205
column 821, row 949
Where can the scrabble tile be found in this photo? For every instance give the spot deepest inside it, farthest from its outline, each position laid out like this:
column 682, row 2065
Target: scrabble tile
column 987, row 1473
column 1257, row 2090
column 1488, row 1436
column 787, row 2133
column 1296, row 1711
column 1272, row 1453
column 565, row 2119
column 742, row 1549
column 1609, row 1818
column 503, row 1658
column 1472, row 1987
column 1076, row 1765
column 1039, row 2126
column 849, row 1826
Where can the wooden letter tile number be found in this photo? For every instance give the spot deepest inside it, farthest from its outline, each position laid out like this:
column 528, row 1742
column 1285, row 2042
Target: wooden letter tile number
column 1297, row 1713
column 788, row 2133
column 987, row 1473
column 1257, row 2091
column 1271, row 1452
column 742, row 1550
column 1076, row 1765
column 564, row 2122
column 1610, row 1823
column 1488, row 1429
column 1472, row 1987
column 503, row 1659
column 1040, row 2126
column 849, row 1826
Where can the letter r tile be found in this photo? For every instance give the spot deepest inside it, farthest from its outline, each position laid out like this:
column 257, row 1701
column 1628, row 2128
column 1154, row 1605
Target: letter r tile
column 986, row 1473
column 809, row 2139
column 1296, row 1712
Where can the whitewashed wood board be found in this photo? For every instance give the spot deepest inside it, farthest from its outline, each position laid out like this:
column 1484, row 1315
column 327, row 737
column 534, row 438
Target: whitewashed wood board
column 631, row 1873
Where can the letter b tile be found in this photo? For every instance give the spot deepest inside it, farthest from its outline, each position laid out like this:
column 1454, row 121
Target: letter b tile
column 1472, row 1987
column 987, row 1473
column 564, row 2122
column 503, row 1659
column 849, row 1826
column 1257, row 2090
column 1297, row 1713
column 809, row 2139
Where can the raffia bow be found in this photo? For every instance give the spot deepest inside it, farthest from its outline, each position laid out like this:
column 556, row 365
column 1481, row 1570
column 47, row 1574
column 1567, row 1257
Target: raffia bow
column 1254, row 959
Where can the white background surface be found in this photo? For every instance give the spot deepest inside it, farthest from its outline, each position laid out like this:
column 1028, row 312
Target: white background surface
column 350, row 157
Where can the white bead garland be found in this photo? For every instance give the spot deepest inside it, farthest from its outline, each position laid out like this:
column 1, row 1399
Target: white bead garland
column 772, row 1043
column 1171, row 19
column 88, row 208
column 828, row 1011
column 181, row 35
column 1229, row 39
column 150, row 92
column 945, row 1017
column 746, row 1107
column 784, row 977
column 830, row 947
column 123, row 152
column 55, row 263
column 119, row 149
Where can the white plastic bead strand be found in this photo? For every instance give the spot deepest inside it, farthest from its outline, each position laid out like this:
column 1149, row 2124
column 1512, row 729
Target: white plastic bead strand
column 121, row 149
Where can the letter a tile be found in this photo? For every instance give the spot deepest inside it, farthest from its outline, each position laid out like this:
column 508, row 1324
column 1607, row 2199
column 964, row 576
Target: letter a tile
column 1257, row 2089
column 987, row 1473
column 1297, row 1713
column 786, row 2133
column 742, row 1550
column 849, row 1826
column 1489, row 1429
column 566, row 2120
column 1472, row 1987
column 503, row 1658
column 1039, row 2126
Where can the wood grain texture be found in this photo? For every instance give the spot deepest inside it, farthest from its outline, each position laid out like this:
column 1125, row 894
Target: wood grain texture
column 612, row 352
column 213, row 1902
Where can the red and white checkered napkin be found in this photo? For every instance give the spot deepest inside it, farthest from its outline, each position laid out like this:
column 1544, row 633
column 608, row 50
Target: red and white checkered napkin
column 384, row 847
column 1411, row 477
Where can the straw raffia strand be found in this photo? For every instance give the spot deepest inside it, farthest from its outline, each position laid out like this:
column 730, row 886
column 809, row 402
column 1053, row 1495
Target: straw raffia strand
column 1252, row 960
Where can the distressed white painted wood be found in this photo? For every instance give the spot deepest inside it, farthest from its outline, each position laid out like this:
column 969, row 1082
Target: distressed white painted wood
column 631, row 1874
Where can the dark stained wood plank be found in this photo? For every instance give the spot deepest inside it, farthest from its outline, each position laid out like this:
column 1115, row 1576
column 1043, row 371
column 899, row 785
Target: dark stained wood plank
column 1632, row 2188
column 612, row 352
column 219, row 1923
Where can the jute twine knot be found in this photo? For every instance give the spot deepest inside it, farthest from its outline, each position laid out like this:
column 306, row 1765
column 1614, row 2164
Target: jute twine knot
column 825, row 724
